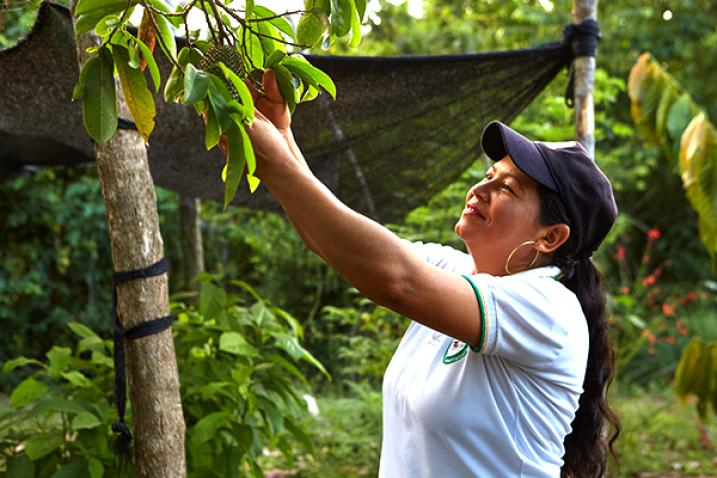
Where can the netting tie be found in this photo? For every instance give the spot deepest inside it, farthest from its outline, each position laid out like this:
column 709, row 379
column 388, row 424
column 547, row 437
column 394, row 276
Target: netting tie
column 579, row 40
column 143, row 329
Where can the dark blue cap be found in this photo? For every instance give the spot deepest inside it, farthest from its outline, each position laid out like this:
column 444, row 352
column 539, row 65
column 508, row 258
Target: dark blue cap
column 567, row 169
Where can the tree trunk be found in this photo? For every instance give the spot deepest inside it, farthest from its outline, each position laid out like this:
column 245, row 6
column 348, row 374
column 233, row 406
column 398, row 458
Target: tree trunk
column 191, row 238
column 584, row 68
column 136, row 243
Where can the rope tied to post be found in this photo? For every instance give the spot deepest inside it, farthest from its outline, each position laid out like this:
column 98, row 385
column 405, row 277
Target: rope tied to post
column 149, row 327
column 579, row 40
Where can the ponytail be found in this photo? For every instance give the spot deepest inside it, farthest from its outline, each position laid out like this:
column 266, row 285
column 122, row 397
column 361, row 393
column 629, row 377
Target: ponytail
column 591, row 440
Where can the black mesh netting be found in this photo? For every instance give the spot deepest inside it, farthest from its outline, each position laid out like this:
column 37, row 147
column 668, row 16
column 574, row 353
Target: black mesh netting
column 400, row 130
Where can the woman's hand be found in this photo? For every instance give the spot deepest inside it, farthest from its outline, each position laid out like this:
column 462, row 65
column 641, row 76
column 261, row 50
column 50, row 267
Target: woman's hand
column 271, row 104
column 270, row 146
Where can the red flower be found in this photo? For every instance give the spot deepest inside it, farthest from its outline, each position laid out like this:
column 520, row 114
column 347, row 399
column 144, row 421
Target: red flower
column 653, row 234
column 648, row 281
column 651, row 339
column 625, row 290
column 619, row 253
column 691, row 296
column 681, row 329
column 670, row 340
column 668, row 310
column 658, row 272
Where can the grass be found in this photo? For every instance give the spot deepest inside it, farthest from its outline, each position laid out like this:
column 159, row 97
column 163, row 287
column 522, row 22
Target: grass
column 661, row 437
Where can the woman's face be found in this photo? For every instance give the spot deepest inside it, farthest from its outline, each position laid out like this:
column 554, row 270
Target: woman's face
column 502, row 211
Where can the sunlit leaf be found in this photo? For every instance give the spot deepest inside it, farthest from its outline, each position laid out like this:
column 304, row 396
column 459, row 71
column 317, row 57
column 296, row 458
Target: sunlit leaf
column 27, row 392
column 139, row 98
column 99, row 109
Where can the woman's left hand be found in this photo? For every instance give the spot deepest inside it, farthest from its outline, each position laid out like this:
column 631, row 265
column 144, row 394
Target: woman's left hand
column 270, row 147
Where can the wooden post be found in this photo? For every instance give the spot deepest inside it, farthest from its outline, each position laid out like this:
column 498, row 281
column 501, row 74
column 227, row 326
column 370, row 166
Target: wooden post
column 191, row 238
column 584, row 68
column 136, row 242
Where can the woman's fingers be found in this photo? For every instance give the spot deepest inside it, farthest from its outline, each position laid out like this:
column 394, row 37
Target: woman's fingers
column 271, row 88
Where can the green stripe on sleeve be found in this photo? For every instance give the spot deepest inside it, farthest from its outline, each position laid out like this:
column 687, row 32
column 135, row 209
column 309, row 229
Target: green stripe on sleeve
column 481, row 311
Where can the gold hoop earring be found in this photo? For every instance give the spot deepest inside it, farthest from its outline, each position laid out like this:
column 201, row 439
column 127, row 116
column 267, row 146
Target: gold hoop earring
column 510, row 256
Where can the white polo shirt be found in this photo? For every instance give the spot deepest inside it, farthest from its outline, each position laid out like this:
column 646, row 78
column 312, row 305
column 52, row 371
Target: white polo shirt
column 502, row 410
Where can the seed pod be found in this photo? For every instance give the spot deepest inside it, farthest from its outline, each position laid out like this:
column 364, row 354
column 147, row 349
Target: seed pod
column 231, row 59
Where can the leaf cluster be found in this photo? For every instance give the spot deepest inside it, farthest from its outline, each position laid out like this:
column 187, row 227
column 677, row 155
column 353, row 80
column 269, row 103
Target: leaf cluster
column 241, row 391
column 215, row 73
column 665, row 114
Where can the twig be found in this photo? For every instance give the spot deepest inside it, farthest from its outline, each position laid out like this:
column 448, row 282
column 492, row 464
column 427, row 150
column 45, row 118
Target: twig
column 161, row 41
column 280, row 15
column 209, row 23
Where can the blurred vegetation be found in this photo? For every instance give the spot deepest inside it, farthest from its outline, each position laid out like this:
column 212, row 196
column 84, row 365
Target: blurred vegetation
column 55, row 265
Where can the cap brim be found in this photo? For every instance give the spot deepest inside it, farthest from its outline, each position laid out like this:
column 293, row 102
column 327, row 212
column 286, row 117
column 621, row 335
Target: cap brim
column 499, row 140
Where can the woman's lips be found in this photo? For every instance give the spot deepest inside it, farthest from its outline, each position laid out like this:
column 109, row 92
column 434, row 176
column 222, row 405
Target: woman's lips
column 471, row 211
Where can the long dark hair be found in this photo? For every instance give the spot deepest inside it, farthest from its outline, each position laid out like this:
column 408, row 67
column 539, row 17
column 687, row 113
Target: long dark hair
column 595, row 427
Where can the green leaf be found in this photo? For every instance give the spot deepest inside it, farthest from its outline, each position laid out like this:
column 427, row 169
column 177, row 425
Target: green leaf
column 79, row 89
column 76, row 378
column 59, row 358
column 280, row 23
column 151, row 63
column 27, row 392
column 73, row 469
column 212, row 300
column 95, row 468
column 85, row 420
column 139, row 98
column 291, row 346
column 286, row 86
column 12, row 364
column 310, row 74
column 219, row 95
column 340, row 17
column 82, row 330
column 166, row 34
column 196, row 84
column 19, row 466
column 99, row 109
column 235, row 344
column 107, row 24
column 207, row 427
column 236, row 160
column 241, row 89
column 299, row 434
column 40, row 445
column 52, row 404
column 355, row 26
column 211, row 129
column 84, row 7
column 360, row 8
column 275, row 58
column 174, row 85
column 312, row 27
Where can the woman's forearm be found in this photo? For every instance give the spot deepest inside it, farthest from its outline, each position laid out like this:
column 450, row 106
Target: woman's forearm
column 364, row 252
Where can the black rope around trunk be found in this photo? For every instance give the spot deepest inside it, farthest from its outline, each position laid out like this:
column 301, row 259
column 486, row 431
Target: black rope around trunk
column 581, row 40
column 149, row 327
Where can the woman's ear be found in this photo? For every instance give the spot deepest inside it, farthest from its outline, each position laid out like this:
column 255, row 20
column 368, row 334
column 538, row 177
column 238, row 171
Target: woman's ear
column 552, row 238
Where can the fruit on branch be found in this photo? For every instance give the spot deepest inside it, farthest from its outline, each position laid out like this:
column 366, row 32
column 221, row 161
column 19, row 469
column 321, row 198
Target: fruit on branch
column 230, row 57
column 148, row 35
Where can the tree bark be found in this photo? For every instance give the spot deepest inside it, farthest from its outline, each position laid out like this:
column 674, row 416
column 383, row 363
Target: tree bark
column 191, row 238
column 584, row 68
column 136, row 242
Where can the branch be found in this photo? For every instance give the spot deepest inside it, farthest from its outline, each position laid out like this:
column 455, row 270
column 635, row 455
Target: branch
column 281, row 15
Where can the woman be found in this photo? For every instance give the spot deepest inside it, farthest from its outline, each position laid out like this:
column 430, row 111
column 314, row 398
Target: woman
column 503, row 371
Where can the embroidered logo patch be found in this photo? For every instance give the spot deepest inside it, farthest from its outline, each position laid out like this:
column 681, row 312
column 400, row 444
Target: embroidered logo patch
column 455, row 351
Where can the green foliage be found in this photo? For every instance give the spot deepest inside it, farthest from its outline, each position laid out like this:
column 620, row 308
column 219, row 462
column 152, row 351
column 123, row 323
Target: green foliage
column 666, row 114
column 357, row 341
column 209, row 73
column 241, row 390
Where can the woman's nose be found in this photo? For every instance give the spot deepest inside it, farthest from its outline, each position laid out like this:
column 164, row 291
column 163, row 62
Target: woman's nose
column 481, row 191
